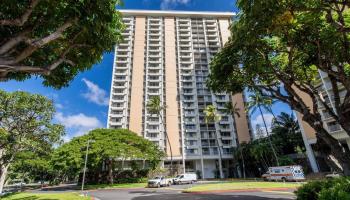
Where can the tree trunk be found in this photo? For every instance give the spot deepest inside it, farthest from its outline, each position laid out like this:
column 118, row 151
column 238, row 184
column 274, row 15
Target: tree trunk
column 243, row 165
column 337, row 150
column 3, row 173
column 268, row 136
column 110, row 171
column 168, row 141
column 220, row 156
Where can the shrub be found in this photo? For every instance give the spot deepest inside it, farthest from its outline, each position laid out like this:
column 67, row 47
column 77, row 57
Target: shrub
column 334, row 189
column 130, row 180
column 310, row 190
column 340, row 190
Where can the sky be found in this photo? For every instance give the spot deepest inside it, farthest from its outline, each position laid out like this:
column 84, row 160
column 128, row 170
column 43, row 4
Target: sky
column 83, row 105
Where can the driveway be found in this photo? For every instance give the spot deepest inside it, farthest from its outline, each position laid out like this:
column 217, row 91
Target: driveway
column 175, row 193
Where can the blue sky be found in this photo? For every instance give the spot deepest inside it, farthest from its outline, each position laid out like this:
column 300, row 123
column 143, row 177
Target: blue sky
column 84, row 104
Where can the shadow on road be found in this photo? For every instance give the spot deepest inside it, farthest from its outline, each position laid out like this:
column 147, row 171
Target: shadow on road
column 61, row 188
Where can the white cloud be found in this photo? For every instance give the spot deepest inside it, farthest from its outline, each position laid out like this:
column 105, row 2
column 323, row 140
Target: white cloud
column 95, row 94
column 77, row 125
column 259, row 120
column 168, row 4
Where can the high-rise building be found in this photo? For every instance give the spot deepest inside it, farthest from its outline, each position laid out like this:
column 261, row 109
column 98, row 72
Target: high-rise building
column 324, row 86
column 167, row 54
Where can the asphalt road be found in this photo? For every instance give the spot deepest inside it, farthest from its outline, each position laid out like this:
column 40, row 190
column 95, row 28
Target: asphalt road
column 174, row 193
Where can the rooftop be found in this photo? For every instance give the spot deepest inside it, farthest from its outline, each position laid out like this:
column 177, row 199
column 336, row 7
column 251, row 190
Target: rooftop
column 176, row 13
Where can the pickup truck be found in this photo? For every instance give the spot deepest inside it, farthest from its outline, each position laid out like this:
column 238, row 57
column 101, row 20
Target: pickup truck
column 159, row 181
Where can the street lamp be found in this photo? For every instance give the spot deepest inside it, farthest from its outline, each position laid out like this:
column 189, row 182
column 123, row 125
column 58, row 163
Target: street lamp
column 84, row 170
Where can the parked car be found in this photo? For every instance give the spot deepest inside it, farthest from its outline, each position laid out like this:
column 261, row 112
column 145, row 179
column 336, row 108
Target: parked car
column 334, row 175
column 185, row 178
column 284, row 173
column 19, row 184
column 159, row 181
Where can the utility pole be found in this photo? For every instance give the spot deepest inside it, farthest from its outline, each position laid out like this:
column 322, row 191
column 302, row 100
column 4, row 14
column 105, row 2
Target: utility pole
column 84, row 171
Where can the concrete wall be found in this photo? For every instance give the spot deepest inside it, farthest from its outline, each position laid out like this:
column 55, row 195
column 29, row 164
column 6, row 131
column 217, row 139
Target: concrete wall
column 137, row 76
column 172, row 110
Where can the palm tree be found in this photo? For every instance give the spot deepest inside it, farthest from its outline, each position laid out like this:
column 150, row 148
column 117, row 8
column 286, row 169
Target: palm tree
column 231, row 109
column 211, row 116
column 286, row 123
column 257, row 101
column 155, row 107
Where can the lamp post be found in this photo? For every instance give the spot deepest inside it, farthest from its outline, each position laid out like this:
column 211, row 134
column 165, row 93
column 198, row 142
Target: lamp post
column 84, row 170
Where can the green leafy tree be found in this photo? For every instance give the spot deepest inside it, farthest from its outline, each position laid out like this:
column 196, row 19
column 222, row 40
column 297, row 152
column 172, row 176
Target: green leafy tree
column 155, row 107
column 25, row 124
column 279, row 48
column 212, row 116
column 257, row 101
column 55, row 39
column 106, row 145
column 32, row 166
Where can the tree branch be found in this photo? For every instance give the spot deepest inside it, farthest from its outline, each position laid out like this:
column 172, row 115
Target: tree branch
column 7, row 46
column 36, row 44
column 21, row 20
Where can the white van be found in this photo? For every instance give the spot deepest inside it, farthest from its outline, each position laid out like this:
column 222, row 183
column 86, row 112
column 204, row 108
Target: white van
column 185, row 178
column 284, row 173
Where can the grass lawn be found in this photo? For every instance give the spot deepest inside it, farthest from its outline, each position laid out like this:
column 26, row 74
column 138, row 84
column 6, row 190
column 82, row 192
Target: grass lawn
column 51, row 196
column 121, row 185
column 241, row 185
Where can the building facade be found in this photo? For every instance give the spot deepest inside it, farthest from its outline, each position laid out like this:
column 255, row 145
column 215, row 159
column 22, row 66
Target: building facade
column 167, row 54
column 324, row 87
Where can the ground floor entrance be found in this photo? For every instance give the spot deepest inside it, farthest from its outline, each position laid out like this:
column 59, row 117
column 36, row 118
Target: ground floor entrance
column 210, row 169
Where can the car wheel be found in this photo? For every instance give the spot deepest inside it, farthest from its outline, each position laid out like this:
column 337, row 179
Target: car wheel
column 284, row 179
column 192, row 182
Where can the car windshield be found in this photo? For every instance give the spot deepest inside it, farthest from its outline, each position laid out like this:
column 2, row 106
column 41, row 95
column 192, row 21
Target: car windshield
column 157, row 177
column 178, row 176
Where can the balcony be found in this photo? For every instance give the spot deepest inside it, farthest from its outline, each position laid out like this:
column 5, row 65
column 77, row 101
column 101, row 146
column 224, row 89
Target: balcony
column 118, row 100
column 113, row 123
column 334, row 128
column 152, row 130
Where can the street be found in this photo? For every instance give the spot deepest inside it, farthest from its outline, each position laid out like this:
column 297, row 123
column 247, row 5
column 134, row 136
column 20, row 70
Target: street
column 175, row 193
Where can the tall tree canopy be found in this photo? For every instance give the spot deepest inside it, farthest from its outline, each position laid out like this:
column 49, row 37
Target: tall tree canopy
column 25, row 125
column 55, row 39
column 285, row 137
column 106, row 146
column 279, row 47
